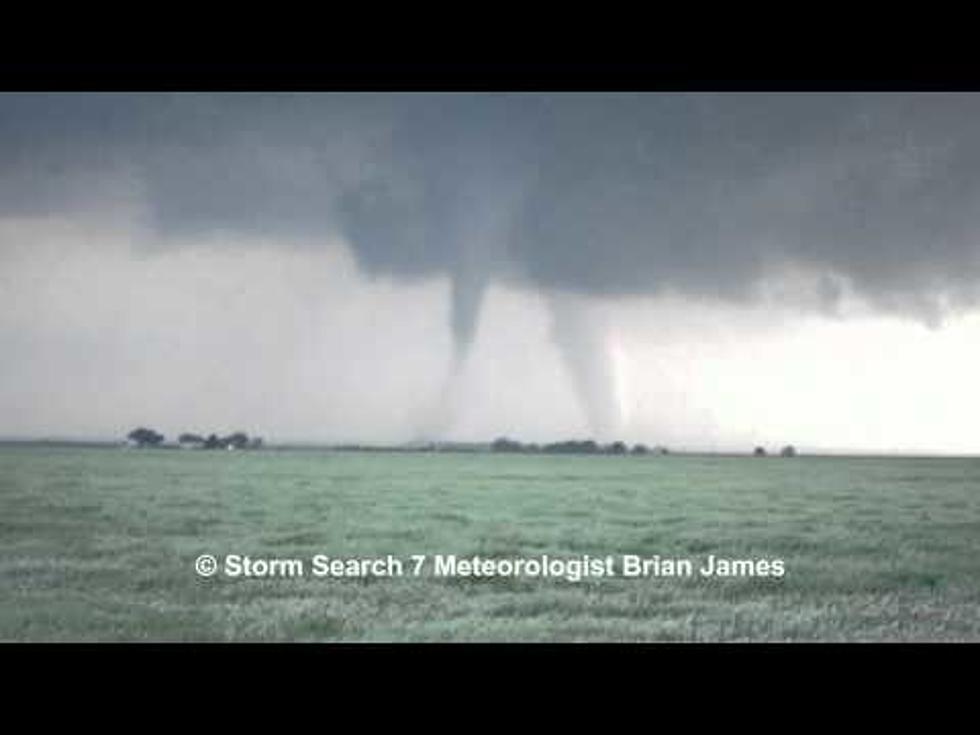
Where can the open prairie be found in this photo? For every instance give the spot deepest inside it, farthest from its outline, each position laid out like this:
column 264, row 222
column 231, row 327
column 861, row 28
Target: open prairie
column 100, row 545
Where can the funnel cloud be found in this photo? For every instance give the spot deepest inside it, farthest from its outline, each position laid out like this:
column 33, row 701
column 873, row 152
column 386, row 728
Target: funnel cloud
column 582, row 340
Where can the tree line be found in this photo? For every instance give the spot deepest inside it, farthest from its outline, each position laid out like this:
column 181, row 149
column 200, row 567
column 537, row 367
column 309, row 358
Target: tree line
column 144, row 437
column 588, row 446
column 573, row 446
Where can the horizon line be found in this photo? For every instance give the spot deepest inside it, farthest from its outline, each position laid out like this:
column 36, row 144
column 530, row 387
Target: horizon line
column 354, row 445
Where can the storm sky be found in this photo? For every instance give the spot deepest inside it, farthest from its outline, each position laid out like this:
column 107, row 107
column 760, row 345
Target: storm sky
column 709, row 271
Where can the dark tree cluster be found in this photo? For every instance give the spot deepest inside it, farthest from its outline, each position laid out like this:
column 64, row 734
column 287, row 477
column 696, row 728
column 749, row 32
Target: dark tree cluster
column 144, row 437
column 503, row 444
column 238, row 440
column 587, row 446
column 788, row 451
column 572, row 447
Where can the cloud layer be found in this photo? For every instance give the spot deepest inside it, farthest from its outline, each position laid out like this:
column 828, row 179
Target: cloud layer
column 595, row 193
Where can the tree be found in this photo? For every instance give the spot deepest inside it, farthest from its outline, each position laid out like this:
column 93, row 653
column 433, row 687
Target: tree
column 144, row 437
column 617, row 448
column 503, row 444
column 571, row 447
column 788, row 451
column 759, row 452
column 188, row 438
column 640, row 449
column 238, row 440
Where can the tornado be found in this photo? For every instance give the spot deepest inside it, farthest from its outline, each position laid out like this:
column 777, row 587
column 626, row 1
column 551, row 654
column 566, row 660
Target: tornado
column 468, row 284
column 581, row 337
column 467, row 288
column 485, row 213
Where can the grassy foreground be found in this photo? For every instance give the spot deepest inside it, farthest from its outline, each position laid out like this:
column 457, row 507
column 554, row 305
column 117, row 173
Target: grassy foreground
column 99, row 544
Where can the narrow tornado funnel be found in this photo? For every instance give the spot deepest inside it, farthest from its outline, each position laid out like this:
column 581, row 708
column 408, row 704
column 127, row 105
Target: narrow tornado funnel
column 468, row 284
column 482, row 227
column 581, row 337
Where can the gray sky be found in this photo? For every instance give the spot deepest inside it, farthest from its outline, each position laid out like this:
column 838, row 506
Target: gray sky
column 710, row 271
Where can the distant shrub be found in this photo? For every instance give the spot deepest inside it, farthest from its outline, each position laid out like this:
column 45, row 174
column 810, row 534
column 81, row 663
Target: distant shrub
column 238, row 440
column 503, row 444
column 571, row 447
column 144, row 437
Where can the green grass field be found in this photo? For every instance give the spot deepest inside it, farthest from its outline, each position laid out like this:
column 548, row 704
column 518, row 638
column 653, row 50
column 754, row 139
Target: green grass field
column 99, row 545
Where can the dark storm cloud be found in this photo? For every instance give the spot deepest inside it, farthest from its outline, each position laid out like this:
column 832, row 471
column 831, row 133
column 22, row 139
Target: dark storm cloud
column 602, row 194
